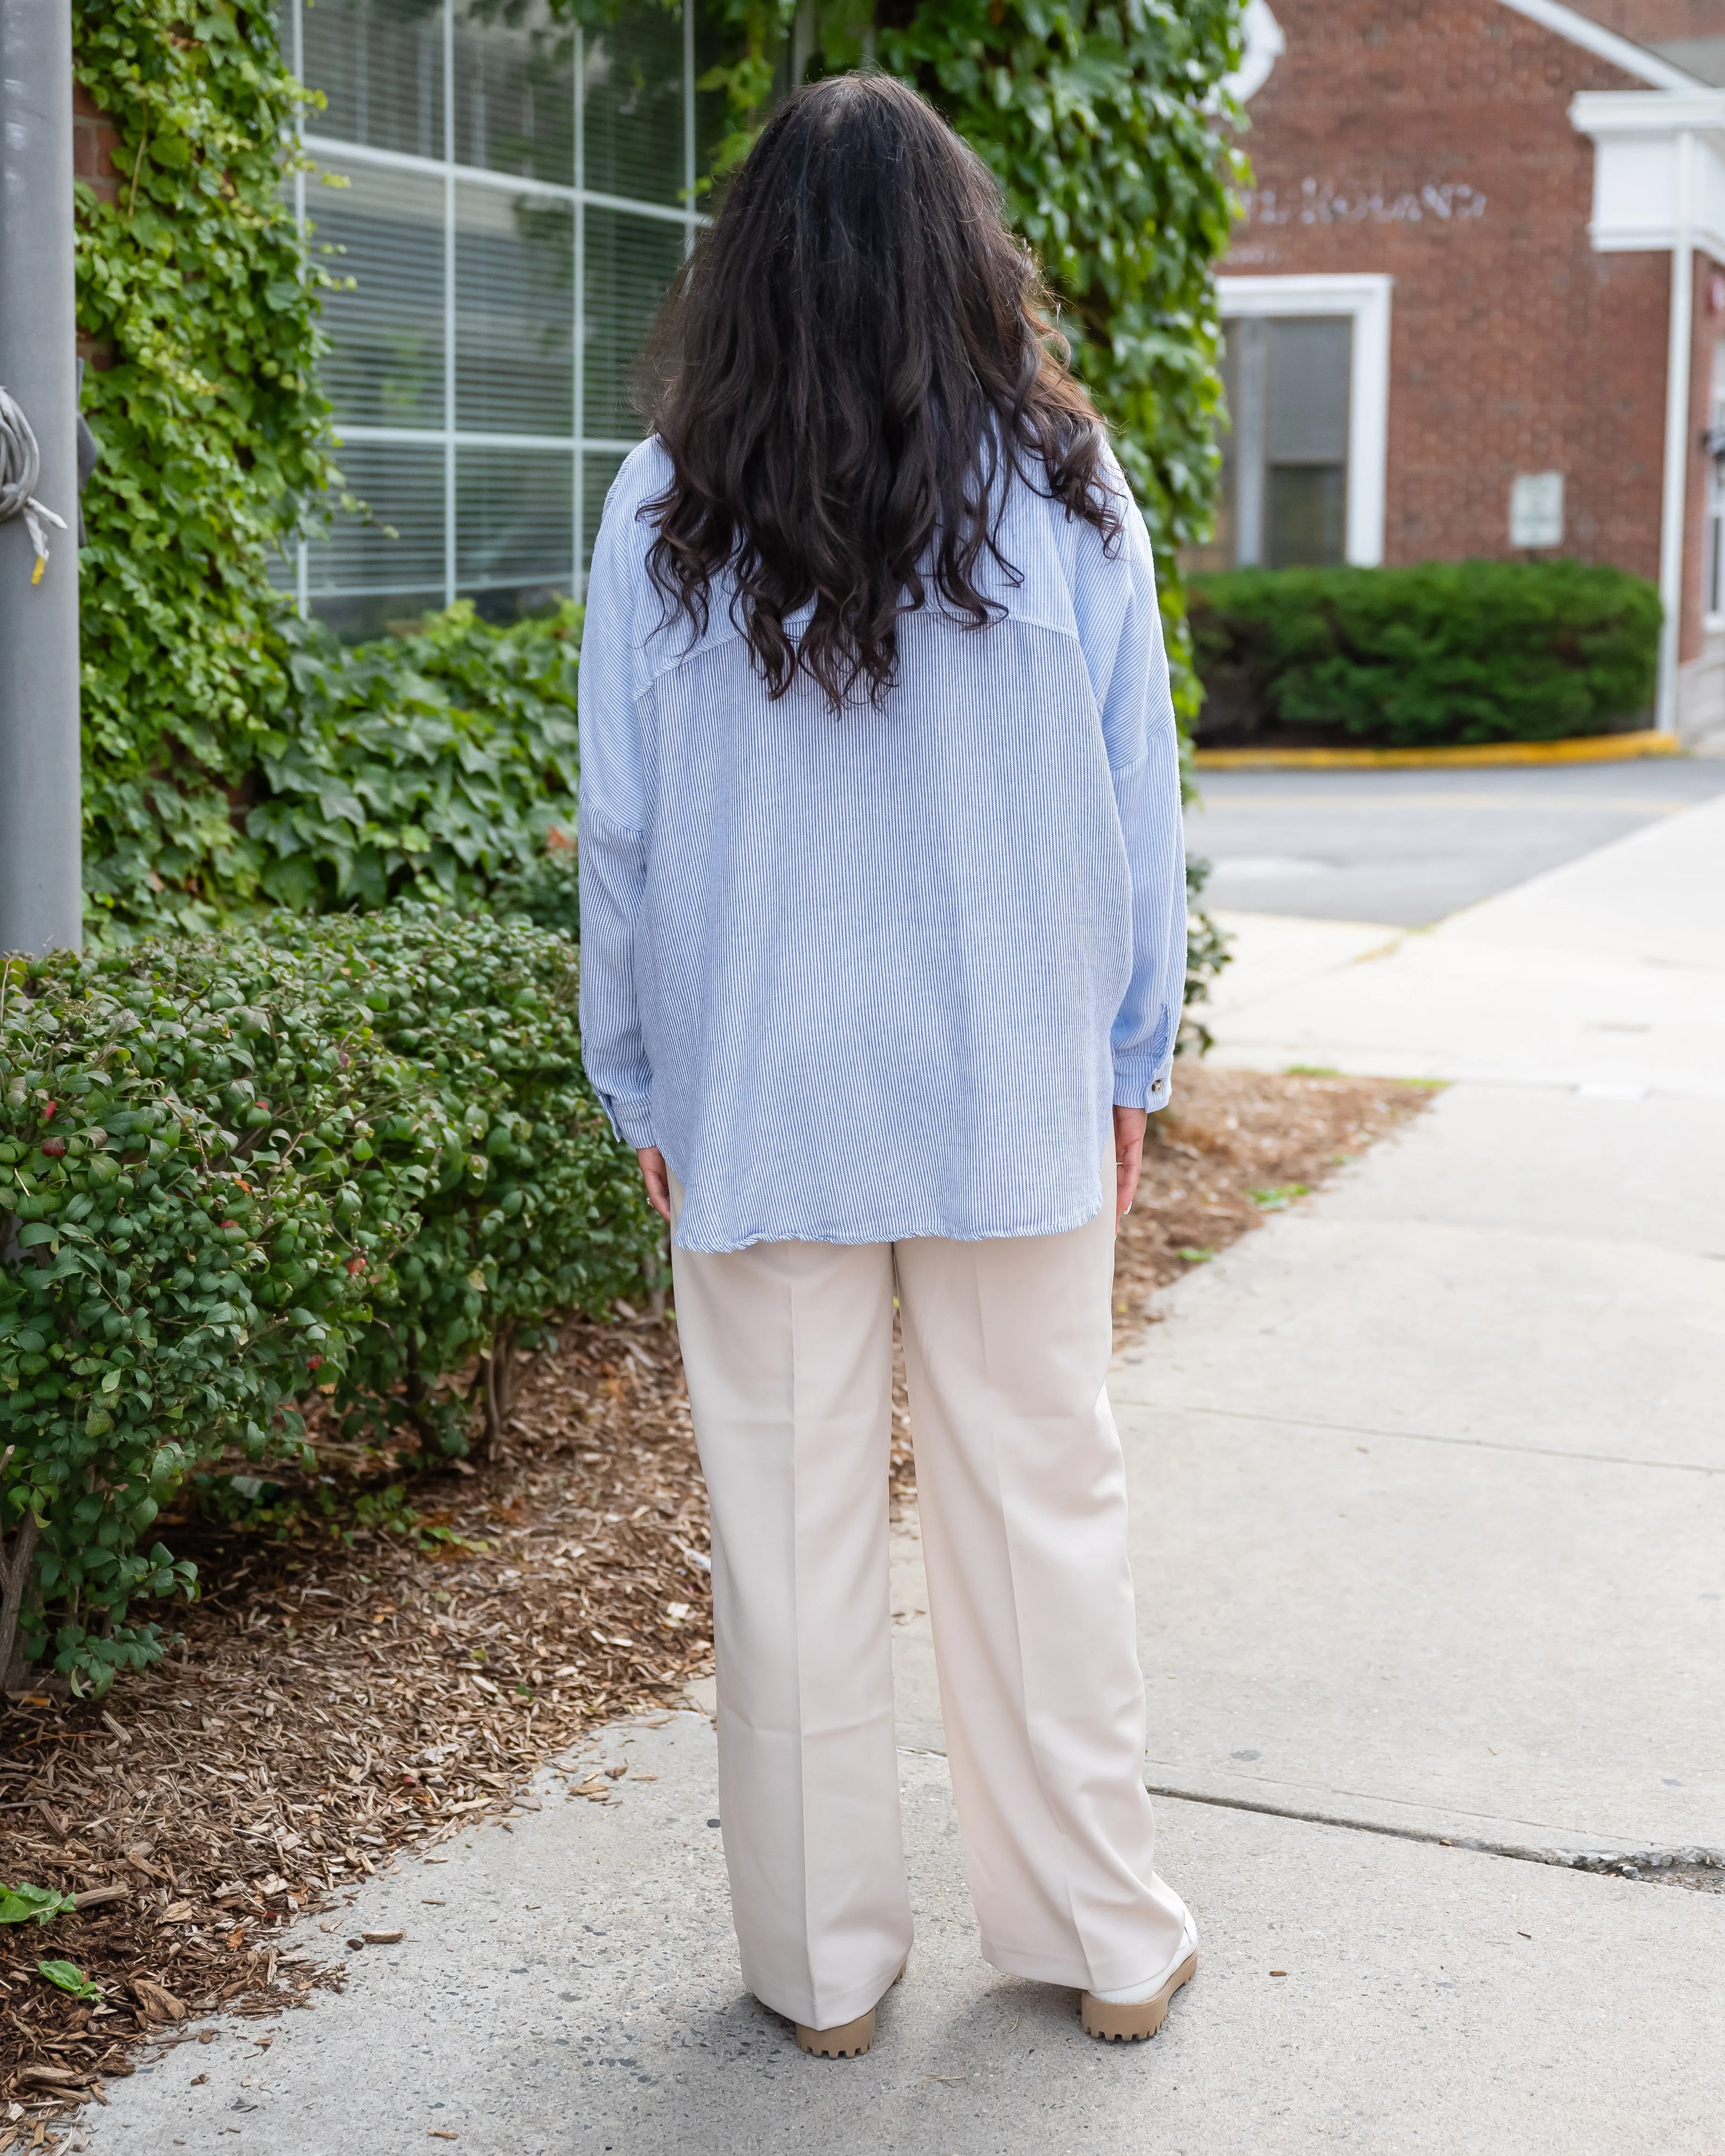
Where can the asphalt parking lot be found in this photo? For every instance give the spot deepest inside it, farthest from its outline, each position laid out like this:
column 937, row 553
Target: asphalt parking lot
column 1408, row 847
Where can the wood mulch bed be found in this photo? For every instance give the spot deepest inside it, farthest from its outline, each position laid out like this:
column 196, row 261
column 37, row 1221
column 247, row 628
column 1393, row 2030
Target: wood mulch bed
column 337, row 1700
column 366, row 1673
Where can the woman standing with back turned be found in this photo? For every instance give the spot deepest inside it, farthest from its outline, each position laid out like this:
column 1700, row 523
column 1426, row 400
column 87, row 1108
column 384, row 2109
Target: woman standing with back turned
column 883, row 911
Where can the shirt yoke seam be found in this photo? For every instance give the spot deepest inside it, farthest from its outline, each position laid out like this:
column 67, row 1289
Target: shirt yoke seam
column 730, row 634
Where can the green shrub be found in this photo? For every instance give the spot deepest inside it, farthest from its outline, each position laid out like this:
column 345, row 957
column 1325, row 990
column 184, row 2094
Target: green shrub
column 438, row 764
column 356, row 1154
column 208, row 1163
column 546, row 889
column 537, row 1209
column 1445, row 652
column 430, row 763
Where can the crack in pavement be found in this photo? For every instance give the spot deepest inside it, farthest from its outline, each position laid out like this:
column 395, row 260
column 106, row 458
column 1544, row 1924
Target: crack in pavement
column 1622, row 1864
column 1625, row 1863
column 1419, row 1436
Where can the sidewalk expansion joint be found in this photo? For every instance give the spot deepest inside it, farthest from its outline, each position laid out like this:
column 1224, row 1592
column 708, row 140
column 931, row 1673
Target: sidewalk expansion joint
column 1423, row 1436
column 1622, row 1863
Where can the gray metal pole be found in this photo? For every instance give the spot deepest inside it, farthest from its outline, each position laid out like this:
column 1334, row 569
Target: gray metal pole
column 40, row 851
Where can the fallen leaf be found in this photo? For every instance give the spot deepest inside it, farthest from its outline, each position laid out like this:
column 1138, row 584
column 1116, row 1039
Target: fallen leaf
column 158, row 2002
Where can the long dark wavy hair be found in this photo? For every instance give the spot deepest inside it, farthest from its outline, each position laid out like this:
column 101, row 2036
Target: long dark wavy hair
column 855, row 364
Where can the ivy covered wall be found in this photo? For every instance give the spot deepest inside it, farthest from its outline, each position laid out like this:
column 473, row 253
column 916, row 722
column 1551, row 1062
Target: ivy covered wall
column 201, row 330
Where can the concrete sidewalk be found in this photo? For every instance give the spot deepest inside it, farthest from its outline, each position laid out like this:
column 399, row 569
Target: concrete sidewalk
column 1608, row 973
column 1429, row 1483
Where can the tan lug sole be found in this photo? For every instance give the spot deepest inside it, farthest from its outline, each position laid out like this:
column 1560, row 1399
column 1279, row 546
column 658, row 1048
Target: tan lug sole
column 1133, row 2024
column 850, row 2039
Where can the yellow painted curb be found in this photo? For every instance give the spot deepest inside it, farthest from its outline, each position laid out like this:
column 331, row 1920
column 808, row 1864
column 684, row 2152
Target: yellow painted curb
column 1587, row 748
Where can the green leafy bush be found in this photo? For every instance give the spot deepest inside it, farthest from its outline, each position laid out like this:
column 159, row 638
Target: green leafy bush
column 434, row 762
column 536, row 1210
column 441, row 763
column 353, row 1155
column 1445, row 652
column 208, row 1163
column 546, row 889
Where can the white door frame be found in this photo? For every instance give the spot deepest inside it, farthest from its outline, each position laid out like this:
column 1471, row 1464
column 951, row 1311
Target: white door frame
column 1364, row 298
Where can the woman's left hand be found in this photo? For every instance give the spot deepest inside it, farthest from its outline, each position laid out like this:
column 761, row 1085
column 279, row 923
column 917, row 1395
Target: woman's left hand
column 1129, row 1126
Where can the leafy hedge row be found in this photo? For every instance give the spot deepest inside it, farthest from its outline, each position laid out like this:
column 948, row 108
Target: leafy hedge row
column 1444, row 652
column 355, row 1155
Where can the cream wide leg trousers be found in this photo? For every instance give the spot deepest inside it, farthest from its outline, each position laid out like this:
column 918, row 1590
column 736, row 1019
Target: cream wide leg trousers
column 1021, row 1491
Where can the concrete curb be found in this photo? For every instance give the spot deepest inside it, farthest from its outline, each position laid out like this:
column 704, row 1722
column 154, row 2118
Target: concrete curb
column 1589, row 748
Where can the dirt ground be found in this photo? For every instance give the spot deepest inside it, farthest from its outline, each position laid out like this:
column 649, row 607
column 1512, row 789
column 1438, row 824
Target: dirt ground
column 381, row 1663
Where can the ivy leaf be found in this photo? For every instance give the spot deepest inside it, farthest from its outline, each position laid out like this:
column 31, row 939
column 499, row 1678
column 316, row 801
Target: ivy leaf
column 70, row 1978
column 19, row 1903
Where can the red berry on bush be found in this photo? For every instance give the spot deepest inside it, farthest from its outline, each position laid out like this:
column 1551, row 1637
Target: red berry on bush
column 48, row 1110
column 355, row 1265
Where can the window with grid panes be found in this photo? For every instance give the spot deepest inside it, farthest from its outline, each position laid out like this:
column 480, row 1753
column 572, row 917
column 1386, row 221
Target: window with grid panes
column 1282, row 502
column 510, row 196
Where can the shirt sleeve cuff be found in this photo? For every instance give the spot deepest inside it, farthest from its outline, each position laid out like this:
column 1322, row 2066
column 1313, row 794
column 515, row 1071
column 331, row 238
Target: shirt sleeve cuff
column 1137, row 1092
column 631, row 1120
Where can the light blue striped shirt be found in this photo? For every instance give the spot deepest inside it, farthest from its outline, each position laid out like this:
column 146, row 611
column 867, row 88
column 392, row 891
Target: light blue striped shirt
column 882, row 975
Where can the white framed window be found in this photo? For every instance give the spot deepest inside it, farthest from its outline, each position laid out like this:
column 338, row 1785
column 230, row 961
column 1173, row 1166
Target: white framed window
column 516, row 194
column 1307, row 369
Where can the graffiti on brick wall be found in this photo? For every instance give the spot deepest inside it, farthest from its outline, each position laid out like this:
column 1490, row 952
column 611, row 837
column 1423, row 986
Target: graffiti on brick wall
column 1321, row 201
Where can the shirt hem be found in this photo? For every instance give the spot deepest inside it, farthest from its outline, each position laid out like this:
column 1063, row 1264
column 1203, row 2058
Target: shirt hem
column 867, row 1239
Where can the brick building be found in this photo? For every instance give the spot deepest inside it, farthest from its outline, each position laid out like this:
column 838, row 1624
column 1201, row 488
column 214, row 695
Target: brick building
column 1476, row 305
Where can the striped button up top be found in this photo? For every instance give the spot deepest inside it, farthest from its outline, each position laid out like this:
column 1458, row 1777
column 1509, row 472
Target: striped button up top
column 882, row 973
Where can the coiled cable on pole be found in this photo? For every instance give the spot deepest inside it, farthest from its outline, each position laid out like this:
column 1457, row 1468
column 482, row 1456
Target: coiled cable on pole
column 20, row 467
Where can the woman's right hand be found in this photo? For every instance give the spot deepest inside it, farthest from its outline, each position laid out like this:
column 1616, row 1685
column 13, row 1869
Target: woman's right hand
column 656, row 1176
